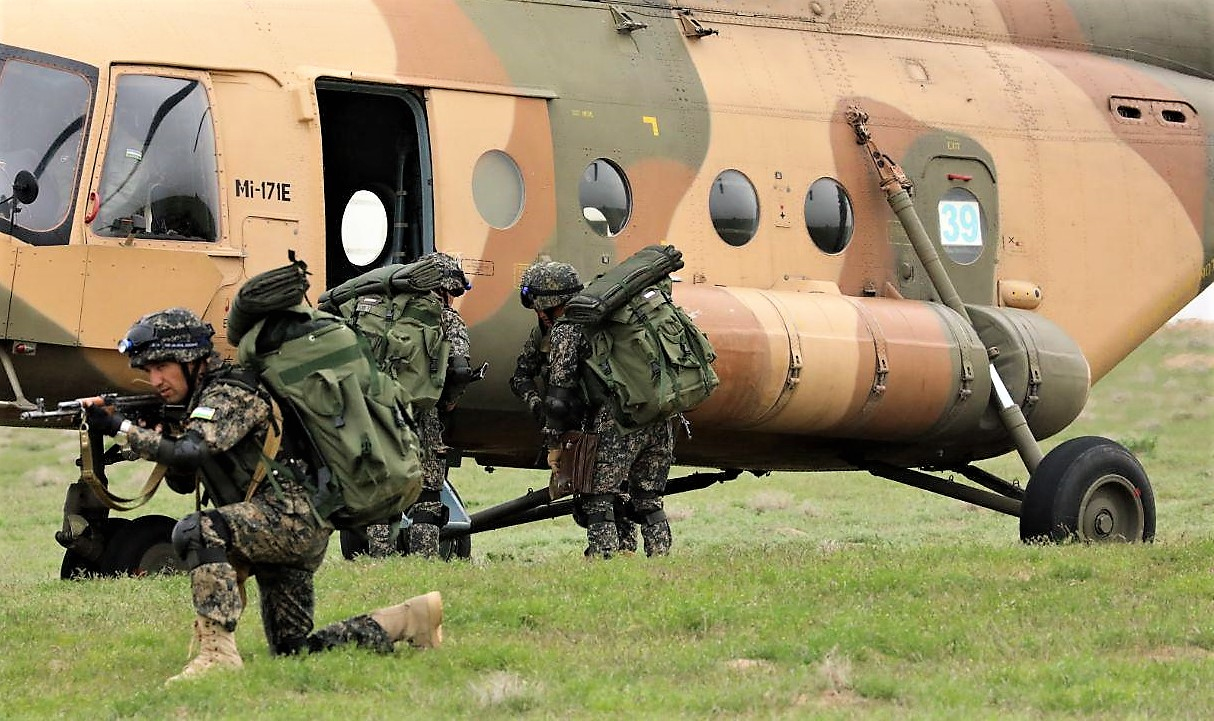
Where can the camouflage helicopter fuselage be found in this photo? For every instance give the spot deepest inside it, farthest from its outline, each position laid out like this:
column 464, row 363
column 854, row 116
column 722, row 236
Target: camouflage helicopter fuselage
column 1071, row 131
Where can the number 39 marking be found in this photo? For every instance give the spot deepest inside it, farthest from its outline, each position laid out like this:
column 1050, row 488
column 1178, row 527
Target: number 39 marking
column 960, row 223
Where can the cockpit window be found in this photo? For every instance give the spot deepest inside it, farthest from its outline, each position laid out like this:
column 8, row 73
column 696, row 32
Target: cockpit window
column 43, row 114
column 159, row 177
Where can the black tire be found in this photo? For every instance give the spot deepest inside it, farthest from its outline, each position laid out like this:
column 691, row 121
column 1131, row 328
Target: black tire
column 456, row 547
column 142, row 547
column 1088, row 489
column 353, row 544
column 76, row 566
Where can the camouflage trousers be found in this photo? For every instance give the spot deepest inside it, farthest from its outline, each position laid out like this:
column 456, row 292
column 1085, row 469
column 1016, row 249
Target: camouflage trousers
column 630, row 472
column 280, row 543
column 423, row 536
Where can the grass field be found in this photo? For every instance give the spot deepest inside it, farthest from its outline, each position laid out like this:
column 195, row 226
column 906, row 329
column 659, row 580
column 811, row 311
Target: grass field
column 788, row 596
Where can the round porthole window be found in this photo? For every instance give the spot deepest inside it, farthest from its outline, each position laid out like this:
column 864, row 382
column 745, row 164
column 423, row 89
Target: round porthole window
column 605, row 197
column 497, row 189
column 828, row 215
column 364, row 228
column 734, row 207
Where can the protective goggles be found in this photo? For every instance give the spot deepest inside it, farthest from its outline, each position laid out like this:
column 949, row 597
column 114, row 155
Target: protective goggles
column 137, row 338
column 143, row 335
column 527, row 295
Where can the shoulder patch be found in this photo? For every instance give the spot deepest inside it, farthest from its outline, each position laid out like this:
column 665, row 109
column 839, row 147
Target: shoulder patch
column 204, row 413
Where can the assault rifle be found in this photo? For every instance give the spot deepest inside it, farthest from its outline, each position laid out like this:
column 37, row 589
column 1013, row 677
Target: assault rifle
column 146, row 410
column 148, row 407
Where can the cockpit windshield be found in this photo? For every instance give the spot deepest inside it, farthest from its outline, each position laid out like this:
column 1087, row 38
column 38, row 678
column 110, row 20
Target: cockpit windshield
column 159, row 178
column 44, row 111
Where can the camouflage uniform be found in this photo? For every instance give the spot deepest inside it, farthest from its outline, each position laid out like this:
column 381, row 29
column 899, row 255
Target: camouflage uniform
column 423, row 537
column 275, row 536
column 530, row 371
column 269, row 530
column 630, row 470
column 427, row 512
column 532, row 367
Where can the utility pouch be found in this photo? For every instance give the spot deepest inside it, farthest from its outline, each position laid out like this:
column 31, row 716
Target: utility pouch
column 576, row 472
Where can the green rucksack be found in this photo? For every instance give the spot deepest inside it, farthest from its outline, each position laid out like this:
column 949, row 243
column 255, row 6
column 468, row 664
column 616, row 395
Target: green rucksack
column 648, row 360
column 394, row 309
column 355, row 418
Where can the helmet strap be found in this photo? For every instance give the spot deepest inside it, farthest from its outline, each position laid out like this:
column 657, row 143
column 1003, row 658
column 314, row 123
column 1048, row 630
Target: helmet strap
column 191, row 370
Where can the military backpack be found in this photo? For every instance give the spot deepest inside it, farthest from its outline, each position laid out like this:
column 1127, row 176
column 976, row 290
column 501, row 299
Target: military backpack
column 355, row 419
column 648, row 360
column 394, row 309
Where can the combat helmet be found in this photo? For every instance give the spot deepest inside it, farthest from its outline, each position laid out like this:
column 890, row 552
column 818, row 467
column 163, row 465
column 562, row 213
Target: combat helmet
column 175, row 334
column 547, row 284
column 454, row 281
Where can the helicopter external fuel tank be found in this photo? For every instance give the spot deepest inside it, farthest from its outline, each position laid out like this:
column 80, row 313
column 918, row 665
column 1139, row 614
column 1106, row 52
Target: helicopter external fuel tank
column 820, row 363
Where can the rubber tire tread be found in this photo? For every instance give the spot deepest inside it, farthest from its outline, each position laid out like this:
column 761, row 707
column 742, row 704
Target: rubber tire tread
column 1051, row 501
column 125, row 549
column 352, row 544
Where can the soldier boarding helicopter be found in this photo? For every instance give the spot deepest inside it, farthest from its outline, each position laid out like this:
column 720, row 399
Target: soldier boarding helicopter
column 915, row 231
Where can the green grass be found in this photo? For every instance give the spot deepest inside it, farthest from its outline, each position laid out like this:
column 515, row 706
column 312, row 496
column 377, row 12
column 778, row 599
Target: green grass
column 788, row 596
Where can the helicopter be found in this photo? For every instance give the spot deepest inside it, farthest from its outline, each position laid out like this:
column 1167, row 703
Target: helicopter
column 915, row 232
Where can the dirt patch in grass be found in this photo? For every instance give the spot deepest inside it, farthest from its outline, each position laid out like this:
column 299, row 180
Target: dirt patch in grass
column 1189, row 361
column 1165, row 654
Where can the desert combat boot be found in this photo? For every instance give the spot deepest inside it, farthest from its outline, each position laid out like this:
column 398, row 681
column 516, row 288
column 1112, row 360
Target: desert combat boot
column 216, row 650
column 418, row 621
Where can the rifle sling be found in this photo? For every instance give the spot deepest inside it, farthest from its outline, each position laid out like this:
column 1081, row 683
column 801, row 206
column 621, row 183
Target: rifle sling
column 117, row 503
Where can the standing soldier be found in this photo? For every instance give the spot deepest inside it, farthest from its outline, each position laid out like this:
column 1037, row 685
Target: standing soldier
column 427, row 512
column 266, row 530
column 637, row 462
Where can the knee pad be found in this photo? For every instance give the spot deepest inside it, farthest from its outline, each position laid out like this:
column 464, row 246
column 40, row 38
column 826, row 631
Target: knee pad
column 429, row 509
column 597, row 508
column 192, row 548
column 433, row 518
column 653, row 517
column 646, row 509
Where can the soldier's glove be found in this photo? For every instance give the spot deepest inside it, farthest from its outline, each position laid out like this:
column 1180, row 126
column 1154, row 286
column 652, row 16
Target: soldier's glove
column 104, row 419
column 554, row 459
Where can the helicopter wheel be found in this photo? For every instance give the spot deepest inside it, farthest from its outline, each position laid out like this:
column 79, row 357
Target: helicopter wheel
column 1088, row 489
column 142, row 547
column 76, row 566
column 455, row 547
column 353, row 544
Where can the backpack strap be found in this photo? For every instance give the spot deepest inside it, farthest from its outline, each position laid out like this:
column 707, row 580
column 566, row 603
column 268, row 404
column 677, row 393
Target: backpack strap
column 269, row 450
column 248, row 379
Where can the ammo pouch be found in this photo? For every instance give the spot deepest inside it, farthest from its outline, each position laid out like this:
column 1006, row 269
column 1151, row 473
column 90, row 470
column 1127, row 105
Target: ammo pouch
column 576, row 472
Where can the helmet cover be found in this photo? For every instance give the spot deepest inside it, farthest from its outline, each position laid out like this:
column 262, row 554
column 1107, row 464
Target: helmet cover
column 175, row 334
